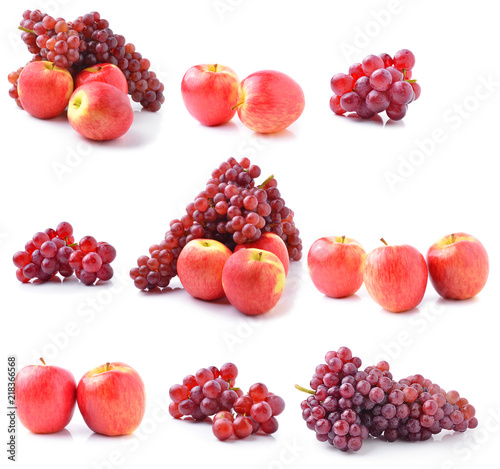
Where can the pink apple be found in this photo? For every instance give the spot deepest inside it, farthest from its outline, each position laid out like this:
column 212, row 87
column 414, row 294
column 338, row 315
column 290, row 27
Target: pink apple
column 270, row 242
column 112, row 399
column 200, row 267
column 253, row 280
column 458, row 266
column 395, row 277
column 44, row 89
column 210, row 92
column 105, row 73
column 336, row 265
column 270, row 101
column 45, row 397
column 100, row 111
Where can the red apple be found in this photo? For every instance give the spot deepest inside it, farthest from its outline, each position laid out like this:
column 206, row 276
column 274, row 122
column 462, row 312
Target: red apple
column 44, row 89
column 270, row 101
column 45, row 397
column 458, row 266
column 199, row 267
column 100, row 111
column 270, row 242
column 395, row 277
column 336, row 265
column 253, row 280
column 112, row 399
column 210, row 92
column 105, row 73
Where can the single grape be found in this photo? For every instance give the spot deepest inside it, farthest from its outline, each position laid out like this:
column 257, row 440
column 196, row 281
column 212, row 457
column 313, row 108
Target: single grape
column 356, row 71
column 371, row 63
column 242, row 426
column 92, row 262
column 261, row 412
column 377, row 101
column 223, row 429
column 400, row 92
column 363, row 87
column 404, row 60
column 381, row 80
column 341, row 83
column 350, row 101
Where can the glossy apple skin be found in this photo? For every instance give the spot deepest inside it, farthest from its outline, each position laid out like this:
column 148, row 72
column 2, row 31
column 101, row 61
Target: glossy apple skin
column 105, row 73
column 112, row 402
column 395, row 277
column 100, row 111
column 210, row 92
column 458, row 268
column 270, row 242
column 336, row 266
column 272, row 101
column 44, row 89
column 199, row 267
column 45, row 398
column 253, row 281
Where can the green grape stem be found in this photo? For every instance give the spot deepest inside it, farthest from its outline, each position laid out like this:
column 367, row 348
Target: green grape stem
column 26, row 30
column 270, row 178
column 301, row 388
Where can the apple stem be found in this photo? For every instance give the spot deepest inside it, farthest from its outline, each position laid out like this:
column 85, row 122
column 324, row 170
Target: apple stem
column 26, row 30
column 43, row 361
column 107, row 367
column 270, row 178
column 452, row 237
column 383, row 240
column 343, row 239
column 215, row 67
column 237, row 105
column 300, row 388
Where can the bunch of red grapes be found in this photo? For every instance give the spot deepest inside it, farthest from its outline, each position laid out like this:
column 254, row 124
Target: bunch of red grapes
column 211, row 392
column 380, row 83
column 233, row 210
column 84, row 42
column 54, row 251
column 346, row 404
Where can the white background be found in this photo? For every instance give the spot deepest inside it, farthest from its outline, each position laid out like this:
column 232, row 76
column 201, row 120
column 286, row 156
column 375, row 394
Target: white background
column 331, row 171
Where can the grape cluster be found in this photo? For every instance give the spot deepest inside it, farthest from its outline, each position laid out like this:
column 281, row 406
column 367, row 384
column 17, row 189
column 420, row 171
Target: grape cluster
column 85, row 42
column 211, row 392
column 55, row 251
column 233, row 210
column 380, row 83
column 346, row 404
